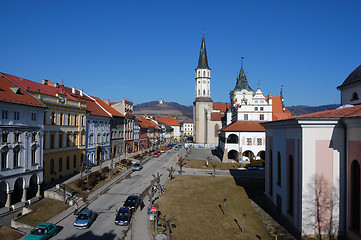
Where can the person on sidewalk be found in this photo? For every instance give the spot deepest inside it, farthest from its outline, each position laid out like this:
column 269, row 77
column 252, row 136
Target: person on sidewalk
column 76, row 208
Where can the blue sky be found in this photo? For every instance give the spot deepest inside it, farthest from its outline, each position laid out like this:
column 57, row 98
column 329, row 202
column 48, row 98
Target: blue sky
column 148, row 50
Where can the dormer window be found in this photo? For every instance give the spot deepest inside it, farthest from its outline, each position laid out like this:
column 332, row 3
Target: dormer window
column 354, row 96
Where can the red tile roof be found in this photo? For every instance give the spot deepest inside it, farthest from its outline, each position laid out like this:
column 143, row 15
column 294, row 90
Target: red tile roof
column 354, row 111
column 216, row 116
column 170, row 121
column 11, row 92
column 223, row 107
column 145, row 123
column 244, row 126
column 95, row 109
column 108, row 108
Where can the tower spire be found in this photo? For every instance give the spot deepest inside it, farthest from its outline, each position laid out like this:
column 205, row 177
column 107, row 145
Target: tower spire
column 242, row 82
column 203, row 61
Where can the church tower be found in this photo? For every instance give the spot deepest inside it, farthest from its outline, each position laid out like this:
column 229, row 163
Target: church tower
column 203, row 104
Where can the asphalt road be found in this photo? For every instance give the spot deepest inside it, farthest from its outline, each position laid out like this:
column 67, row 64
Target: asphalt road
column 107, row 203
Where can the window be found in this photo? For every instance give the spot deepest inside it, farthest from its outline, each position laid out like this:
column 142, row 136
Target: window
column 52, row 141
column 60, row 140
column 4, row 137
column 16, row 137
column 5, row 114
column 68, row 140
column 256, row 108
column 279, row 169
column 33, row 116
column 354, row 96
column 33, row 156
column 75, row 140
column 249, row 141
column 204, row 92
column 290, row 189
column 270, row 173
column 69, row 119
column 16, row 157
column 261, row 117
column 67, row 162
column 74, row 161
column 52, row 166
column 16, row 115
column 245, row 116
column 82, row 121
column 60, row 164
column 61, row 119
column 355, row 197
column 4, row 159
column 33, row 137
column 91, row 139
column 75, row 120
column 199, row 92
column 98, row 138
column 261, row 108
column 259, row 141
column 53, row 118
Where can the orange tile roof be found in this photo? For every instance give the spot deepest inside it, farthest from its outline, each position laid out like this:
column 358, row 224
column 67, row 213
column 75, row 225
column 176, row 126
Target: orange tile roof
column 216, row 116
column 244, row 126
column 108, row 108
column 147, row 123
column 277, row 109
column 354, row 111
column 11, row 92
column 223, row 107
column 94, row 109
column 170, row 121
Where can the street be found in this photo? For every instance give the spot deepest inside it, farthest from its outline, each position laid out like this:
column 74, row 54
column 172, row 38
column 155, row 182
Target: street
column 107, row 203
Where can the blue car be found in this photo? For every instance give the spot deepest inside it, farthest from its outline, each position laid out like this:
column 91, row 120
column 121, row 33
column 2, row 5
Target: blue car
column 84, row 219
column 42, row 231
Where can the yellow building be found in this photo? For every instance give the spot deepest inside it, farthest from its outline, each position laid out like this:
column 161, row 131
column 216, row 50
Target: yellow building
column 64, row 127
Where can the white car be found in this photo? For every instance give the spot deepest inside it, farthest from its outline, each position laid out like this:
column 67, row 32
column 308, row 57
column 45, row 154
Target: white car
column 137, row 166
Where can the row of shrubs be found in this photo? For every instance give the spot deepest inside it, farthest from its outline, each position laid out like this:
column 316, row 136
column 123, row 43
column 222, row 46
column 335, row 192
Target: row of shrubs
column 94, row 178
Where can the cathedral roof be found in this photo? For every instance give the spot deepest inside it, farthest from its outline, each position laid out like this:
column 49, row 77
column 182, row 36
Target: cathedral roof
column 242, row 82
column 355, row 76
column 203, row 62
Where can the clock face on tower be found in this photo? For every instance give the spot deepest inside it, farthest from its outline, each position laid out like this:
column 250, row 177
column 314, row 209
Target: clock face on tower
column 204, row 81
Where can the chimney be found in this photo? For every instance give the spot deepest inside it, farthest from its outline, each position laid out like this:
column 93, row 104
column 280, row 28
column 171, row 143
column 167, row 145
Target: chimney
column 56, row 85
column 81, row 92
column 45, row 82
column 73, row 90
column 107, row 101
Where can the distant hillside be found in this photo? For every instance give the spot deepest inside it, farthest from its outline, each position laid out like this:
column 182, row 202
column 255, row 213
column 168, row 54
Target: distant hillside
column 301, row 109
column 180, row 112
column 185, row 113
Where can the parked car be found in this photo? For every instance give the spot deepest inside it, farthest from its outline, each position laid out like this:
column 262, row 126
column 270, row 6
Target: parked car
column 84, row 219
column 123, row 216
column 132, row 202
column 176, row 148
column 42, row 231
column 137, row 166
column 155, row 154
column 170, row 146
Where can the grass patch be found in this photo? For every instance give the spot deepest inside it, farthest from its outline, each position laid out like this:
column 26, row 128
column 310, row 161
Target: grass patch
column 195, row 200
column 43, row 210
column 9, row 233
column 201, row 164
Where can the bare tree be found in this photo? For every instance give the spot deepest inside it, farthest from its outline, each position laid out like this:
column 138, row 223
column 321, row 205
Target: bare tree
column 171, row 170
column 181, row 162
column 320, row 205
column 214, row 165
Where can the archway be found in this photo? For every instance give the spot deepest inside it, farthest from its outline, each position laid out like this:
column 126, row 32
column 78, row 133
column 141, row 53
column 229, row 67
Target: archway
column 234, row 155
column 33, row 187
column 18, row 191
column 232, row 138
column 248, row 155
column 261, row 155
column 3, row 193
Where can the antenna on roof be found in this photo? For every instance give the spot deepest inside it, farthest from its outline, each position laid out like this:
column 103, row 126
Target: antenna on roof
column 242, row 60
column 259, row 82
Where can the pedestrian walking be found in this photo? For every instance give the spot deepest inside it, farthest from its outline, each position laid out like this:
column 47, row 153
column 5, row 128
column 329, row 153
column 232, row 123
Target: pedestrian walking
column 76, row 208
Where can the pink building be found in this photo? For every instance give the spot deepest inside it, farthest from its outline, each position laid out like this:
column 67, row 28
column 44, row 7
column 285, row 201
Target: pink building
column 313, row 167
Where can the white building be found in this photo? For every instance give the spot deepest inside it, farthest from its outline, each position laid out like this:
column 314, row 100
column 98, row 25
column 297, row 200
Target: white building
column 21, row 147
column 187, row 129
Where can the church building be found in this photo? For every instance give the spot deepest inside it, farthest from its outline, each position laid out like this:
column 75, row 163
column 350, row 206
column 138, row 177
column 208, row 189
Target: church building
column 235, row 126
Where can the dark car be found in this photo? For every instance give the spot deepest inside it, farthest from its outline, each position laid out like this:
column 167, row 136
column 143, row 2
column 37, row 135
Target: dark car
column 132, row 202
column 123, row 216
column 84, row 219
